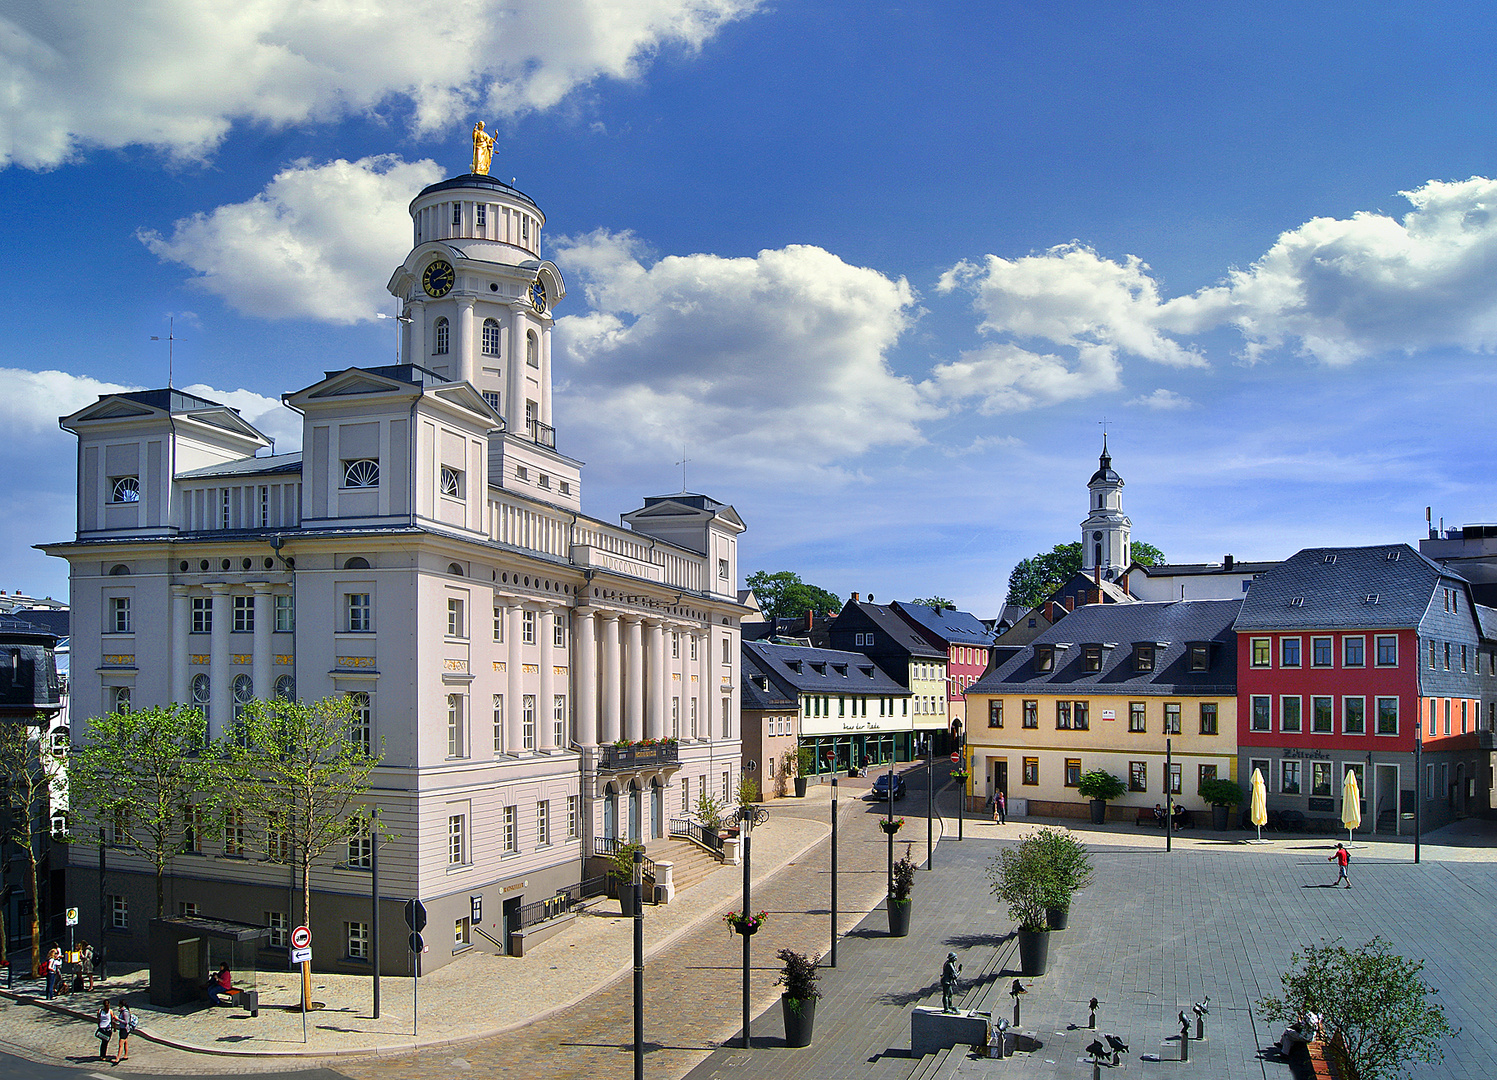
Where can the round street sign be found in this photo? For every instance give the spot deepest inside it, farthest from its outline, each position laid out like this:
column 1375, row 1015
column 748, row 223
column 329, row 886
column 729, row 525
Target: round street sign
column 301, row 938
column 956, row 758
column 416, row 944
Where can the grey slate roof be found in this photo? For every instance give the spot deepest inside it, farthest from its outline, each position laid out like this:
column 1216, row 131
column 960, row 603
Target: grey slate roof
column 774, row 696
column 169, row 400
column 901, row 634
column 1200, row 569
column 1172, row 625
column 1329, row 587
column 1487, row 618
column 819, row 670
column 952, row 626
column 254, row 466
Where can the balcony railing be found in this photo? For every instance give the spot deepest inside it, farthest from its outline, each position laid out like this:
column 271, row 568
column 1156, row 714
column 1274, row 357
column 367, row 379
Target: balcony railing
column 541, row 434
column 619, row 758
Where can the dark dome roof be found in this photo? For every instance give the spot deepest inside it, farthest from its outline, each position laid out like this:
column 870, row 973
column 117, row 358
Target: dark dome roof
column 478, row 180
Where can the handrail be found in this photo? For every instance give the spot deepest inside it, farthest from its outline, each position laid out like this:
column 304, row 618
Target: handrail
column 687, row 829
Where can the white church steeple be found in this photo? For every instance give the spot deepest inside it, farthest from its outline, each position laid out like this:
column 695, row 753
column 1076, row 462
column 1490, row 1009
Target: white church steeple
column 1106, row 530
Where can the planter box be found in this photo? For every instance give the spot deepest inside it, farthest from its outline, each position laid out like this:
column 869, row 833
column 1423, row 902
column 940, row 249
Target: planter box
column 800, row 1020
column 899, row 918
column 1034, row 952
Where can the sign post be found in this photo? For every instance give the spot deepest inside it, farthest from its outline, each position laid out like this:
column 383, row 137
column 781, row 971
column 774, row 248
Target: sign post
column 415, row 918
column 301, row 945
column 71, row 919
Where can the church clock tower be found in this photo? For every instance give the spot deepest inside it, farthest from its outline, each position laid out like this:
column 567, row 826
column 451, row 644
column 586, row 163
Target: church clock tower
column 477, row 304
column 1105, row 532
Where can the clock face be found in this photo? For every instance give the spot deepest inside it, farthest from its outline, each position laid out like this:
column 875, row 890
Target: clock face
column 438, row 279
column 538, row 295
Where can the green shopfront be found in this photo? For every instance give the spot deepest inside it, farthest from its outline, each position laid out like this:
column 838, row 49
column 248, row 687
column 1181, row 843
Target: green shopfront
column 850, row 732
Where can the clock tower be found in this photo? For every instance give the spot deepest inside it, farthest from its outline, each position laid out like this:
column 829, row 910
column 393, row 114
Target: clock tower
column 476, row 307
column 1105, row 532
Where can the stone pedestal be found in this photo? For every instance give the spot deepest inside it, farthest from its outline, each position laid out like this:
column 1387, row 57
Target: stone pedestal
column 732, row 851
column 932, row 1030
column 665, row 882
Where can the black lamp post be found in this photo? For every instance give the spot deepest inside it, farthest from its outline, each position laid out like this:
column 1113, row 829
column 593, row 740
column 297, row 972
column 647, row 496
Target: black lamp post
column 834, row 871
column 1418, row 781
column 747, row 816
column 889, row 829
column 930, row 801
column 1169, row 798
column 639, row 965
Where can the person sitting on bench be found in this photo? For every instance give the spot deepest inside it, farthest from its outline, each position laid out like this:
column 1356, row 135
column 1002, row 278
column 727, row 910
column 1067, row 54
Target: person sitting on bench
column 1179, row 817
column 1159, row 815
column 221, row 986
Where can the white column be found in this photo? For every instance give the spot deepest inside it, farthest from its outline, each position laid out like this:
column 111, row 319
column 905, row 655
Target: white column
column 261, row 662
column 655, row 699
column 546, row 706
column 181, row 623
column 514, row 667
column 703, row 690
column 220, row 701
column 466, row 366
column 612, row 679
column 634, row 680
column 514, row 372
column 584, row 678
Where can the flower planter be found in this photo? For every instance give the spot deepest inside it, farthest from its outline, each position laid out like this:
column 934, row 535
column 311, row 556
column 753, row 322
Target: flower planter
column 899, row 918
column 628, row 897
column 1099, row 811
column 800, row 787
column 800, row 1019
column 1057, row 918
column 1034, row 951
column 747, row 929
column 891, row 827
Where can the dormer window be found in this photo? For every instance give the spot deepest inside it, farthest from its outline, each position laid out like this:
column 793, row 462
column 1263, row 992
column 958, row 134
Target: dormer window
column 866, row 671
column 1143, row 656
column 796, row 666
column 820, row 669
column 840, row 669
column 1091, row 658
column 1200, row 655
column 361, row 473
column 452, row 482
column 124, row 489
column 1044, row 657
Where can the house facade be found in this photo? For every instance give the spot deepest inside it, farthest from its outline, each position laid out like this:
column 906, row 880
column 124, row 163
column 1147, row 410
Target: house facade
column 771, row 728
column 424, row 555
column 905, row 655
column 1349, row 656
column 1145, row 691
column 851, row 712
column 962, row 637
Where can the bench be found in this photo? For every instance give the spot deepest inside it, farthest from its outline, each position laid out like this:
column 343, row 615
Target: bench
column 248, row 1000
column 1146, row 817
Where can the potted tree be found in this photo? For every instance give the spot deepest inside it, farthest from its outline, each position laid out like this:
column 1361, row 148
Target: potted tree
column 1016, row 876
column 799, row 976
column 1100, row 786
column 1222, row 795
column 899, row 897
column 805, row 762
column 621, row 870
column 1068, row 870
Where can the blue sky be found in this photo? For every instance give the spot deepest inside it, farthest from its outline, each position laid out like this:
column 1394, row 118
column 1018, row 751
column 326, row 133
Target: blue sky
column 882, row 271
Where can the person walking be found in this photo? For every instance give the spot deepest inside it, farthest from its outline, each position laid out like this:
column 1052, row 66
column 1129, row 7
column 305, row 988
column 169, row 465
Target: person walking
column 106, row 1030
column 86, row 963
column 124, row 1024
column 1340, row 857
column 1002, row 806
column 52, row 968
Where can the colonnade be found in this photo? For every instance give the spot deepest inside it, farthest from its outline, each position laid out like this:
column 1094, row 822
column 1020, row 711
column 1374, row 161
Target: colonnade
column 220, row 648
column 628, row 696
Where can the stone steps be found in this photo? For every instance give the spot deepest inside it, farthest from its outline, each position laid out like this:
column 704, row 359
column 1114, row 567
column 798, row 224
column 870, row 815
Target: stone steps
column 689, row 863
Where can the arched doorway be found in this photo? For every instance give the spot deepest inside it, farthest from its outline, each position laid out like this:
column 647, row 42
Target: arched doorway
column 634, row 809
column 657, row 809
column 611, row 812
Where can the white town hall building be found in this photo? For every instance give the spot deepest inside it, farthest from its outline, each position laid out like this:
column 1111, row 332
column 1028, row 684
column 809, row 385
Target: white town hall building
column 427, row 554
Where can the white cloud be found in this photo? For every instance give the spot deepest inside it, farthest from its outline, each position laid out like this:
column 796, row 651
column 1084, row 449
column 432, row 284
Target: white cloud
column 779, row 359
column 1002, row 377
column 317, row 243
column 176, row 74
column 1163, row 399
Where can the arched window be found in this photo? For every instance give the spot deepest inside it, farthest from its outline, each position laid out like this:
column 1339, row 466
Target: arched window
column 491, row 337
column 356, row 563
column 532, row 349
column 244, row 693
column 361, row 473
column 126, row 489
column 285, row 688
column 119, row 570
column 121, row 699
column 455, row 569
column 440, row 336
column 201, row 694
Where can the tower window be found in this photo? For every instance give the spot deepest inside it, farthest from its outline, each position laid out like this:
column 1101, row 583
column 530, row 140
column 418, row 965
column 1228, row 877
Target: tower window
column 125, row 489
column 457, row 214
column 361, row 473
column 492, row 397
column 491, row 337
column 439, row 348
column 532, row 350
column 481, row 215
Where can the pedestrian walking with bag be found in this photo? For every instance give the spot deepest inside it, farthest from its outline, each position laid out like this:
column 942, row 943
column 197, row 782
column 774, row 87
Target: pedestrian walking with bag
column 124, row 1024
column 1340, row 857
column 106, row 1030
column 52, row 967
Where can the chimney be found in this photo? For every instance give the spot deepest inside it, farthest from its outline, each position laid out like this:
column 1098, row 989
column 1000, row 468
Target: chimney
column 1070, row 603
column 1227, row 562
column 1097, row 575
column 1123, row 581
column 854, row 598
column 810, row 618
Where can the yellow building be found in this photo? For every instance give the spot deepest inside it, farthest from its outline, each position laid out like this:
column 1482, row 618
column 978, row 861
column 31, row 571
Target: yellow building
column 1115, row 687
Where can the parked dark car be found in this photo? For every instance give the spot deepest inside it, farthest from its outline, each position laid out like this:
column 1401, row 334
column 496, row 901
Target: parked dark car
column 880, row 792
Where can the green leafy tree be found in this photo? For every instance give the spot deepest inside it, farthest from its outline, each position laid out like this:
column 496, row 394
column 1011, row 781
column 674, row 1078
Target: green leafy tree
column 301, row 772
column 31, row 771
column 1374, row 1006
column 935, row 602
column 147, row 777
column 784, row 595
column 1032, row 581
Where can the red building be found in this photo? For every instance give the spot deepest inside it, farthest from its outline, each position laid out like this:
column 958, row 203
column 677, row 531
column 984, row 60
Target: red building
column 1342, row 654
column 967, row 642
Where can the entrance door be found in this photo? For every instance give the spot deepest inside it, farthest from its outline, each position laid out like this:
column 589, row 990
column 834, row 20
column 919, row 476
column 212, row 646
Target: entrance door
column 1000, row 777
column 657, row 809
column 611, row 815
column 1385, row 777
column 633, row 814
column 510, row 923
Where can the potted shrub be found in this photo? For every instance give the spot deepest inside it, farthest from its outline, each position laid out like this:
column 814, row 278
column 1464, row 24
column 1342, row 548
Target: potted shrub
column 1100, row 786
column 1068, row 868
column 805, row 764
column 899, row 898
column 621, row 870
column 798, row 975
column 1222, row 795
column 1016, row 876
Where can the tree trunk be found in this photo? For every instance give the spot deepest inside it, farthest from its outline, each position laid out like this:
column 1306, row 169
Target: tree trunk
column 160, row 891
column 36, row 914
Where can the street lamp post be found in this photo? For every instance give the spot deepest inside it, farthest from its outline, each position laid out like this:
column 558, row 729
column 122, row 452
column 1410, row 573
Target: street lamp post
column 834, row 871
column 1169, row 798
column 1418, row 780
column 639, row 965
column 930, row 802
column 889, row 794
column 748, row 816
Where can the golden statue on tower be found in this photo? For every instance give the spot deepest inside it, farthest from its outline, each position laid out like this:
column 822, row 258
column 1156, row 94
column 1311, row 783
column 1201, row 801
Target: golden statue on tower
column 483, row 149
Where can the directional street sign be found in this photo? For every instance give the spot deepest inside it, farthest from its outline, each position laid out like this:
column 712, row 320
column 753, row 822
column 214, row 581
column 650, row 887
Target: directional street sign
column 301, row 938
column 301, row 956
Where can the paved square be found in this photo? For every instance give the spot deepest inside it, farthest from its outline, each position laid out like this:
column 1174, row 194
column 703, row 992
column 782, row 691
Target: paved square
column 1156, row 932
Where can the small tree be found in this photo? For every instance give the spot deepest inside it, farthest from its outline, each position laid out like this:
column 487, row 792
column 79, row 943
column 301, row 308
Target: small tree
column 30, row 772
column 1220, row 792
column 1100, row 784
column 146, row 777
column 748, row 790
column 301, row 772
column 904, row 879
column 1066, row 862
column 1372, row 1002
column 710, row 811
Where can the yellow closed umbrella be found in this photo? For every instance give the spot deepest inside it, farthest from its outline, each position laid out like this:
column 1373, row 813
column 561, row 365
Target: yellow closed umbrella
column 1258, row 811
column 1351, row 804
